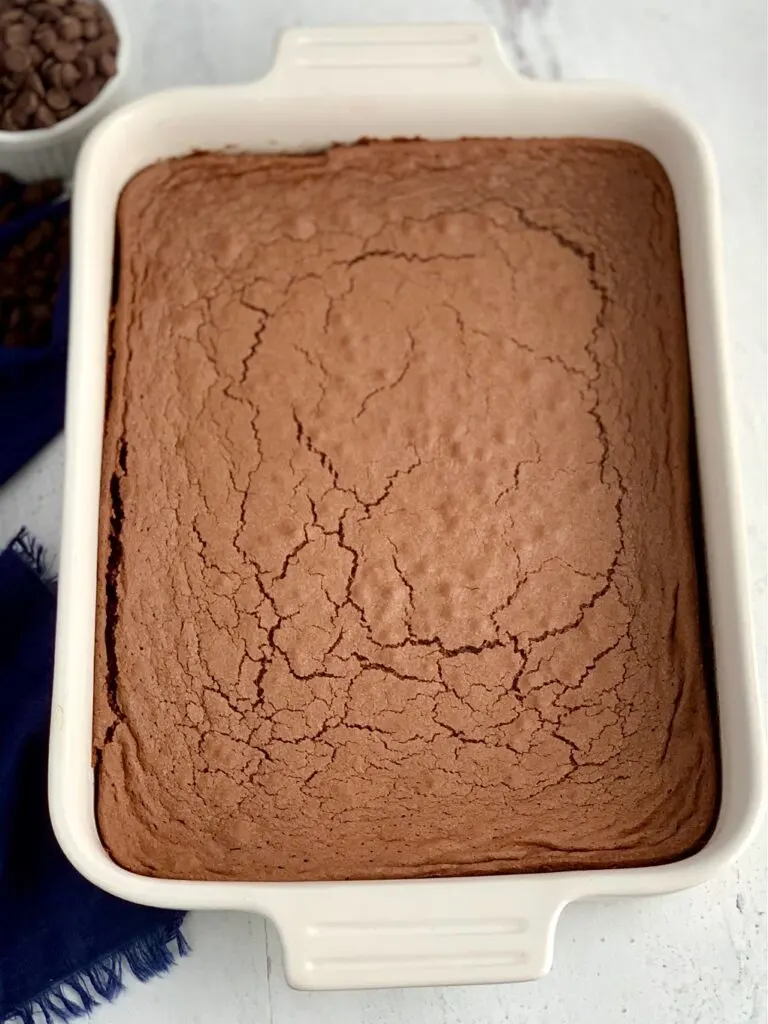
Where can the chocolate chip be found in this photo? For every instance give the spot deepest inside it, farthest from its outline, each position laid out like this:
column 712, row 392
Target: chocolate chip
column 108, row 64
column 95, row 47
column 8, row 122
column 87, row 90
column 41, row 192
column 46, row 39
column 66, row 52
column 48, row 69
column 27, row 103
column 44, row 116
column 56, row 99
column 35, row 83
column 43, row 11
column 16, row 60
column 83, row 10
column 70, row 28
column 17, row 35
column 54, row 76
column 20, row 119
column 70, row 76
column 86, row 66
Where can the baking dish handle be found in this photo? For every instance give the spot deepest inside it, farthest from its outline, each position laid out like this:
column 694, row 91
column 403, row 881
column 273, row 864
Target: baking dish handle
column 447, row 931
column 391, row 60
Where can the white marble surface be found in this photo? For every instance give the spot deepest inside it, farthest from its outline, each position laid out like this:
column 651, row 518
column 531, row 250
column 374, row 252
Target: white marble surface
column 695, row 957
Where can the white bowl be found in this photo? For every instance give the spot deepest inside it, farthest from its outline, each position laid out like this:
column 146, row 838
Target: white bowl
column 51, row 152
column 336, row 85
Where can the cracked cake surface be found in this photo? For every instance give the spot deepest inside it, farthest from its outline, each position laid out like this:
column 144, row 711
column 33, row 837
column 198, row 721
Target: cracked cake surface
column 397, row 548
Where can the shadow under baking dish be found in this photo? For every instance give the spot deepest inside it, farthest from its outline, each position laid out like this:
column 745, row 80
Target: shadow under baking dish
column 401, row 567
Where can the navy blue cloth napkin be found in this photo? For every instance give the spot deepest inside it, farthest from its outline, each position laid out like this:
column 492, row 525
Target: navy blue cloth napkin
column 63, row 942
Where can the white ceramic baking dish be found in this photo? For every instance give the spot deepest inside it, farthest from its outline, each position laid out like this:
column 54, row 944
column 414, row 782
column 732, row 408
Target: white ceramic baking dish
column 332, row 85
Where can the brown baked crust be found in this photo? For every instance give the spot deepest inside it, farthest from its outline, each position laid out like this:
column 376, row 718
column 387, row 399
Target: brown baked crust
column 397, row 558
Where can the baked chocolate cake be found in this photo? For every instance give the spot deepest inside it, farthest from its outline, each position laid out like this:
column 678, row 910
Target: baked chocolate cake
column 398, row 570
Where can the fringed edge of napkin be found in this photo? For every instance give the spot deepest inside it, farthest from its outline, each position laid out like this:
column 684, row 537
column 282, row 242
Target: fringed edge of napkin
column 81, row 993
column 32, row 552
column 146, row 957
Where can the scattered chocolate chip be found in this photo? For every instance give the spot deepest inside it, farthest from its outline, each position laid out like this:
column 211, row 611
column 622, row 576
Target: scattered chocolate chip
column 30, row 270
column 40, row 192
column 60, row 51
